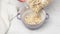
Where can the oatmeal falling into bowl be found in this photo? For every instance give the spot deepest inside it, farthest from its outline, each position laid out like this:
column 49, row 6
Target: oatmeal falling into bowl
column 37, row 5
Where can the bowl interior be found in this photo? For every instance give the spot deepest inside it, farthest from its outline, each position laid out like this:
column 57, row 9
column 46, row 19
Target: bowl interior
column 42, row 14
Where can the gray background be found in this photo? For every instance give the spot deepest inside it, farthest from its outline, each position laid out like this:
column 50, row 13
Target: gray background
column 52, row 26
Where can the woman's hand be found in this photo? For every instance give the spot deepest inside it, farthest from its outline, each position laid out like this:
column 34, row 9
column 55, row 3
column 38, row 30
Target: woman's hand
column 21, row 0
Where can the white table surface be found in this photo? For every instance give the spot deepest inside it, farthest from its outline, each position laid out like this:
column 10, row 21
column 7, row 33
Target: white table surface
column 52, row 26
